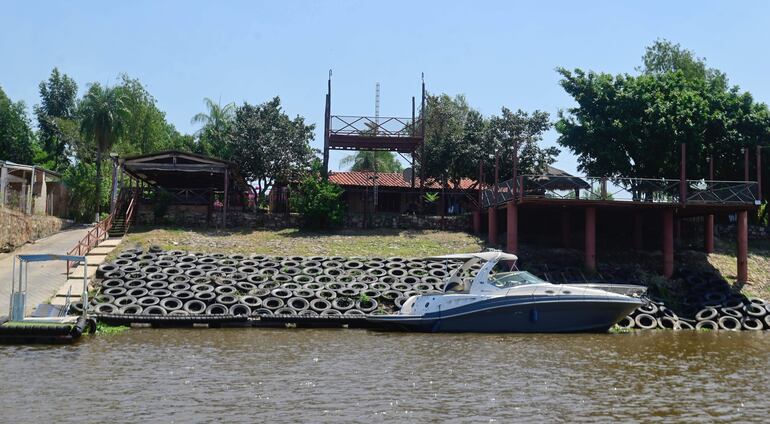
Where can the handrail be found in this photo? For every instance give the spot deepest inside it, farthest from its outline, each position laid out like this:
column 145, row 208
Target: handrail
column 92, row 239
column 129, row 213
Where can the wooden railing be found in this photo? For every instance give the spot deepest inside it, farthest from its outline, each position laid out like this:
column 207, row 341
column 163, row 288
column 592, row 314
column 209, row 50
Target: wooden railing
column 91, row 240
column 130, row 212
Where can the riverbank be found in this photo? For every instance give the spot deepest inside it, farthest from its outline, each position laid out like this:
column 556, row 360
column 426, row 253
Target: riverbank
column 421, row 243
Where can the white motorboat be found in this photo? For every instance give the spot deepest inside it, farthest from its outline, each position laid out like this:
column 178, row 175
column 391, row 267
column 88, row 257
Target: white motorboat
column 513, row 301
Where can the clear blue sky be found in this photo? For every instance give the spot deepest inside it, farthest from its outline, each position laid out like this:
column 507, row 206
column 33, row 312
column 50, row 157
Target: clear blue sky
column 496, row 53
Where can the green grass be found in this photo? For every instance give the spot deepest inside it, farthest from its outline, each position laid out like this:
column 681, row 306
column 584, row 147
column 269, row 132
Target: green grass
column 105, row 329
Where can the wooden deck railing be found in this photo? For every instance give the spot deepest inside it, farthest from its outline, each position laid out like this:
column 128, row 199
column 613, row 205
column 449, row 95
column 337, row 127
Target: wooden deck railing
column 92, row 239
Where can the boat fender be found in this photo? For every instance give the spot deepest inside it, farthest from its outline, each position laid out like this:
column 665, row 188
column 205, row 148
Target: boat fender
column 533, row 315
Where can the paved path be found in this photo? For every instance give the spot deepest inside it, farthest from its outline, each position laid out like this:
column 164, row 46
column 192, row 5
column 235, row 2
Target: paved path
column 45, row 278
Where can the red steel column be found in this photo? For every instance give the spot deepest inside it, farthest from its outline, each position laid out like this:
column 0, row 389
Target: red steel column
column 477, row 221
column 708, row 234
column 512, row 241
column 590, row 237
column 638, row 237
column 565, row 228
column 492, row 224
column 743, row 246
column 668, row 243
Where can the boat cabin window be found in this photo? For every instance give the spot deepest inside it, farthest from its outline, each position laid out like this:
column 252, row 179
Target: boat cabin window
column 513, row 279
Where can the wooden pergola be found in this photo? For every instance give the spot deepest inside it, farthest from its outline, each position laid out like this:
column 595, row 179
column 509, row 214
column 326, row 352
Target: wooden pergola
column 189, row 177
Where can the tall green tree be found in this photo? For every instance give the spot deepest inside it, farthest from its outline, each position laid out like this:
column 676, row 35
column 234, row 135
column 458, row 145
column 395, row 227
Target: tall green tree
column 268, row 146
column 56, row 116
column 17, row 141
column 146, row 129
column 103, row 120
column 633, row 125
column 215, row 132
column 372, row 160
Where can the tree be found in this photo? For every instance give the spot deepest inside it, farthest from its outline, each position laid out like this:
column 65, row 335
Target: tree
column 372, row 160
column 104, row 118
column 56, row 115
column 146, row 129
column 458, row 138
column 217, row 122
column 268, row 146
column 17, row 141
column 632, row 126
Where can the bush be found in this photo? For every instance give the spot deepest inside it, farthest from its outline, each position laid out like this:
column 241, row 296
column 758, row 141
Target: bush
column 318, row 201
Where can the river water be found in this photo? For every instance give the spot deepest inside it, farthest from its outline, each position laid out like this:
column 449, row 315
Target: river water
column 299, row 375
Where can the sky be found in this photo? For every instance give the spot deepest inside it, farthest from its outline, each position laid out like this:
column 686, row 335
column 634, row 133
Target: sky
column 496, row 53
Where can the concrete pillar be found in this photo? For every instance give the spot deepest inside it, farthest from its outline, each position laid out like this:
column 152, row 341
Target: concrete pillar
column 492, row 225
column 3, row 183
column 31, row 189
column 638, row 228
column 743, row 246
column 477, row 221
column 566, row 231
column 42, row 200
column 590, row 238
column 708, row 234
column 668, row 243
column 512, row 215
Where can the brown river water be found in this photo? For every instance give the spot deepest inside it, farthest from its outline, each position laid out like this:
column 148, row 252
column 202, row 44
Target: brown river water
column 339, row 376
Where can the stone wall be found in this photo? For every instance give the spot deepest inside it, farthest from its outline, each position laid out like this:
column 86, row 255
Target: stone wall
column 17, row 228
column 756, row 232
column 195, row 216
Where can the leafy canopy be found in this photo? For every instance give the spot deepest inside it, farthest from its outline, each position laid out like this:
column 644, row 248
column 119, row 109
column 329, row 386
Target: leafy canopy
column 56, row 117
column 372, row 160
column 318, row 201
column 17, row 141
column 633, row 125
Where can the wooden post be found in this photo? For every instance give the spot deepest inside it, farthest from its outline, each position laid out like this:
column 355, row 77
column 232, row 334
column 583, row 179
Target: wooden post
column 759, row 173
column 590, row 239
column 668, row 243
column 226, row 198
column 743, row 247
column 708, row 233
column 492, row 224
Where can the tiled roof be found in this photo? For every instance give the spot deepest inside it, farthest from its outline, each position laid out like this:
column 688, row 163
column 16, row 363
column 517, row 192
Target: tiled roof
column 386, row 179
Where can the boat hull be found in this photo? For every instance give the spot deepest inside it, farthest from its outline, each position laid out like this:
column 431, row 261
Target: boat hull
column 562, row 316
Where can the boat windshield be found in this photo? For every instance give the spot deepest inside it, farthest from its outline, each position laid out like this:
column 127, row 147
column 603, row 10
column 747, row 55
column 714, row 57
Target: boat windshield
column 512, row 279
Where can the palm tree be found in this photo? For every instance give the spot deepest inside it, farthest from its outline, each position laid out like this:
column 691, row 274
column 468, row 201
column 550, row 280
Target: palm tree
column 103, row 119
column 216, row 124
column 378, row 161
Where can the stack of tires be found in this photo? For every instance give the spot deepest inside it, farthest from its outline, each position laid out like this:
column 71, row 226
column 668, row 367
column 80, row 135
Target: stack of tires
column 719, row 313
column 158, row 282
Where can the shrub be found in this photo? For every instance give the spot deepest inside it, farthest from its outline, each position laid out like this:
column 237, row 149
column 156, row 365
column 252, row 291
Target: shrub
column 318, row 202
column 80, row 180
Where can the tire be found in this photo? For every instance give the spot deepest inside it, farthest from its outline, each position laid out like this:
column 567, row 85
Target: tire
column 156, row 284
column 329, row 312
column 668, row 323
column 627, row 322
column 646, row 321
column 366, row 305
column 252, row 301
column 226, row 289
column 399, row 302
column 273, row 303
column 261, row 312
column 684, row 325
column 171, row 304
column 217, row 309
column 154, row 310
column 114, row 291
column 707, row 324
column 240, row 309
column 281, row 293
column 343, row 304
column 178, row 287
column 755, row 310
column 729, row 323
column 112, row 282
column 227, row 299
column 160, row 293
column 350, row 312
column 124, row 301
column 648, row 308
column 390, row 295
column 298, row 303
column 147, row 301
column 320, row 305
column 285, row 311
column 194, row 307
column 134, row 284
column 707, row 314
column 732, row 313
column 245, row 286
column 752, row 324
column 304, row 293
column 347, row 292
column 131, row 310
column 137, row 293
column 326, row 294
column 105, row 308
column 183, row 295
column 205, row 296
